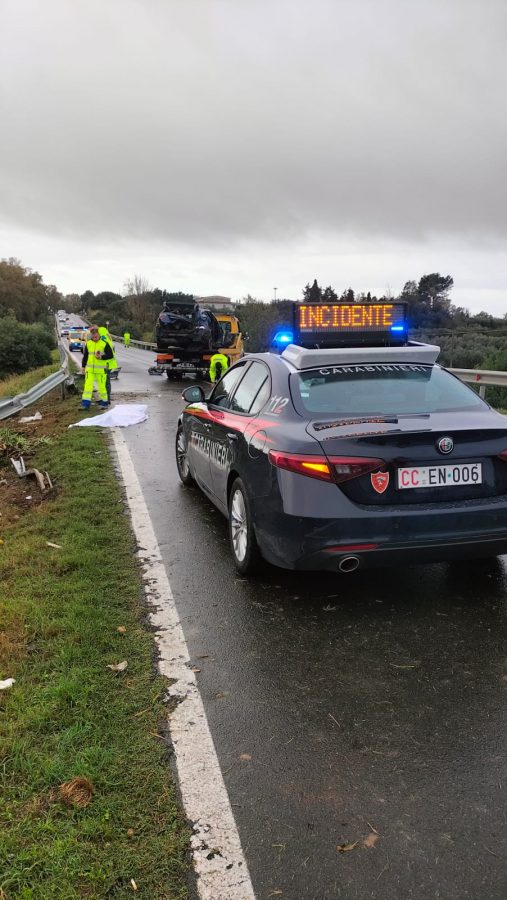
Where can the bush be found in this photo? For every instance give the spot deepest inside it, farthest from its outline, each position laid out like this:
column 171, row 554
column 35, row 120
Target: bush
column 23, row 347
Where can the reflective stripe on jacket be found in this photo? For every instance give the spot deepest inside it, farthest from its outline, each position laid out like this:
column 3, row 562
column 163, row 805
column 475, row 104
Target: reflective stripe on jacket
column 90, row 360
column 111, row 363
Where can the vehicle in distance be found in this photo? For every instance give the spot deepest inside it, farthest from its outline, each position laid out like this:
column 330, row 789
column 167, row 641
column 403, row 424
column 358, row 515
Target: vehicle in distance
column 364, row 454
column 75, row 344
column 65, row 331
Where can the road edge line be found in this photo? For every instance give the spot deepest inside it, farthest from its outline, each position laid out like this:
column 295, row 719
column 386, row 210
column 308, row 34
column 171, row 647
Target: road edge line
column 219, row 862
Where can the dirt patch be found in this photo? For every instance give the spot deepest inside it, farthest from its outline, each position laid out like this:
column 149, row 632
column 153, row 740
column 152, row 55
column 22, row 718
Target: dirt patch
column 12, row 643
column 18, row 495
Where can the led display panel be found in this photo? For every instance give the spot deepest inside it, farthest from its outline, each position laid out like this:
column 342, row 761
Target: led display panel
column 321, row 324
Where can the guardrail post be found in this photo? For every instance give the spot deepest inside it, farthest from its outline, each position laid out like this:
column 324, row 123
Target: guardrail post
column 482, row 391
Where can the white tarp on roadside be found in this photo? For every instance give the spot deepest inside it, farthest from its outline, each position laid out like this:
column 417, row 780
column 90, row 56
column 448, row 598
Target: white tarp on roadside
column 120, row 416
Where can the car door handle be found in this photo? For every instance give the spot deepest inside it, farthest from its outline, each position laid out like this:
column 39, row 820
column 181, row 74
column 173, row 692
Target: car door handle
column 232, row 436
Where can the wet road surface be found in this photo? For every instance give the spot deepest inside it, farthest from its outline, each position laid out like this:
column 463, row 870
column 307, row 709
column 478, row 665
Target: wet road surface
column 340, row 706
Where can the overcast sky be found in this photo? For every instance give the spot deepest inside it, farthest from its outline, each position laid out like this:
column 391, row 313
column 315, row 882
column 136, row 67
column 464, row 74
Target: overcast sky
column 231, row 146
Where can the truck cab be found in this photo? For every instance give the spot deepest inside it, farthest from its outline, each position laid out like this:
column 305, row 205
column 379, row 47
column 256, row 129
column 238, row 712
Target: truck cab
column 234, row 346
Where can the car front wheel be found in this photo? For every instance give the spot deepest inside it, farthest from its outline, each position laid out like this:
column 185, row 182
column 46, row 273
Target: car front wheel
column 182, row 458
column 244, row 545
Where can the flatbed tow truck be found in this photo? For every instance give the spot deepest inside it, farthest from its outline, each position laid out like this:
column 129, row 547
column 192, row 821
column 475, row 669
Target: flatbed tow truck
column 175, row 361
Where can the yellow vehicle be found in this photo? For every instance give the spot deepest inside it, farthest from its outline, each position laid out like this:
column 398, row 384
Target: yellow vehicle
column 235, row 347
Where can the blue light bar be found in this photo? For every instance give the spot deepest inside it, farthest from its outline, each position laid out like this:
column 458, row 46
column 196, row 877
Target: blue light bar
column 283, row 337
column 397, row 328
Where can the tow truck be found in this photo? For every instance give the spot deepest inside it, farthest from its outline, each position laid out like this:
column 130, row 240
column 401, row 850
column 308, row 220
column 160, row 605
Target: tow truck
column 187, row 353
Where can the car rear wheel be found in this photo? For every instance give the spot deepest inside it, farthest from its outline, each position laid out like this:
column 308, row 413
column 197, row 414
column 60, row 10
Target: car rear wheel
column 244, row 545
column 182, row 458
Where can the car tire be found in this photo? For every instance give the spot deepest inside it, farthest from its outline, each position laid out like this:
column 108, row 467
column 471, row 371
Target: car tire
column 245, row 550
column 182, row 458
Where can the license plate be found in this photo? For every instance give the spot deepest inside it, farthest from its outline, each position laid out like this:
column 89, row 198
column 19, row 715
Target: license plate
column 186, row 366
column 439, row 476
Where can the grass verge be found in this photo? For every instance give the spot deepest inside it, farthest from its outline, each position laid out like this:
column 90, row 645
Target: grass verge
column 68, row 715
column 19, row 384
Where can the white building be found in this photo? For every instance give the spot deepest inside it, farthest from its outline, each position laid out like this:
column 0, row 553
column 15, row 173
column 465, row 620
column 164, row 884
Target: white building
column 215, row 301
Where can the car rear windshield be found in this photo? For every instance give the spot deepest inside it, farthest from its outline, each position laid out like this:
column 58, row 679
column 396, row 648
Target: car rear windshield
column 380, row 389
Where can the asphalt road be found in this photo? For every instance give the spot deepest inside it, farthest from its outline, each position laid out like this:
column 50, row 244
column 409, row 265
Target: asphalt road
column 340, row 706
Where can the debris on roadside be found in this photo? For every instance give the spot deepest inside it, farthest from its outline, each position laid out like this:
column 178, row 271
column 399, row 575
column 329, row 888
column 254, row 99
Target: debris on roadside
column 42, row 479
column 118, row 667
column 7, row 683
column 76, row 792
column 371, row 840
column 56, row 546
column 35, row 418
column 346, row 848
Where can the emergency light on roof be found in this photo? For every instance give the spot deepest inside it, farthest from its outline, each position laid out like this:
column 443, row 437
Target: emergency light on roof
column 283, row 337
column 350, row 324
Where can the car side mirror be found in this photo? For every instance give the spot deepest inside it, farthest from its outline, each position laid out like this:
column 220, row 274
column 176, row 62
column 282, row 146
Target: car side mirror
column 194, row 394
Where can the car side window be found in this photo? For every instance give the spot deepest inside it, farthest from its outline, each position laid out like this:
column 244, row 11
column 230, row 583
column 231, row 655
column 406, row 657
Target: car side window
column 262, row 397
column 245, row 397
column 225, row 387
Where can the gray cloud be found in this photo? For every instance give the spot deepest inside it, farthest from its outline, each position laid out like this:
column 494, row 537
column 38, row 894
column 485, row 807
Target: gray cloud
column 215, row 121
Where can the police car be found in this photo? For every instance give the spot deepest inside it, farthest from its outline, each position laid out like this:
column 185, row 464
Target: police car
column 351, row 448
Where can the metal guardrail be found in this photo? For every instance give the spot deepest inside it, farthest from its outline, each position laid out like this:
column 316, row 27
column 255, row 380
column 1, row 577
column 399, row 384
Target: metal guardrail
column 142, row 345
column 12, row 405
column 482, row 377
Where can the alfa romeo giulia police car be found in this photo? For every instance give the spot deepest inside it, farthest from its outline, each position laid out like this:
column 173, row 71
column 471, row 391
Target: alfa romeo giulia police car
column 352, row 447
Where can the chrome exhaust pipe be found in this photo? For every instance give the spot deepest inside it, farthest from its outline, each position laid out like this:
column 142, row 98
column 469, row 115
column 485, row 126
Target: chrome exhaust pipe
column 349, row 564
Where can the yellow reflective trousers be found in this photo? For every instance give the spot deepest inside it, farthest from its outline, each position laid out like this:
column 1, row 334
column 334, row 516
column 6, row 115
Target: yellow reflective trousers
column 95, row 371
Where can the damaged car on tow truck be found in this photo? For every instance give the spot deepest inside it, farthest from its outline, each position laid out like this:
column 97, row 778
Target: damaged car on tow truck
column 351, row 448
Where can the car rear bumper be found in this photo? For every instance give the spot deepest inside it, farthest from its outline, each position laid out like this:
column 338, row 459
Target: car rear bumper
column 396, row 555
column 403, row 538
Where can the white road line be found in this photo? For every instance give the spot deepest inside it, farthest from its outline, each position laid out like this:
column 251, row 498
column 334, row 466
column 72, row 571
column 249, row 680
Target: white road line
column 225, row 875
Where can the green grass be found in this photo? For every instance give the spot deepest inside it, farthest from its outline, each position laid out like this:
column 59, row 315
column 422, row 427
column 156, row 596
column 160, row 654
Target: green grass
column 19, row 384
column 68, row 715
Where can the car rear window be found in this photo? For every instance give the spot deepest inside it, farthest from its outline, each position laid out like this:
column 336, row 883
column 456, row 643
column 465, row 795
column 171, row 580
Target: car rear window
column 380, row 389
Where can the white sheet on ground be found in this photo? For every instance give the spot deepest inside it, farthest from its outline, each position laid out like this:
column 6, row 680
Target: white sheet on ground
column 122, row 415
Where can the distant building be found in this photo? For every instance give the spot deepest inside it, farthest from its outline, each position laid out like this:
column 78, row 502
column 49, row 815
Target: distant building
column 216, row 302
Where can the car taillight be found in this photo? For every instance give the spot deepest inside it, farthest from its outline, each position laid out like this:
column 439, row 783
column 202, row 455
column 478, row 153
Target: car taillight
column 347, row 467
column 503, row 455
column 313, row 466
column 334, row 468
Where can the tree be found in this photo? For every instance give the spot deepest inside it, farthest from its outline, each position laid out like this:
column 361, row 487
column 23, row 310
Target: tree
column 137, row 289
column 87, row 301
column 329, row 295
column 23, row 294
column 107, row 298
column 348, row 296
column 136, row 286
column 312, row 294
column 23, row 347
column 72, row 303
column 434, row 290
column 428, row 301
